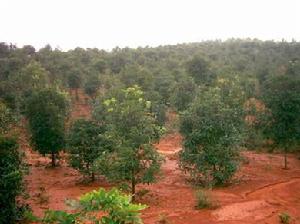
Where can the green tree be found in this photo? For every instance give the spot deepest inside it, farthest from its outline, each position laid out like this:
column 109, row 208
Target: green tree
column 136, row 75
column 92, row 85
column 212, row 128
column 74, row 80
column 199, row 69
column 183, row 93
column 86, row 143
column 11, row 187
column 32, row 76
column 282, row 97
column 134, row 128
column 46, row 112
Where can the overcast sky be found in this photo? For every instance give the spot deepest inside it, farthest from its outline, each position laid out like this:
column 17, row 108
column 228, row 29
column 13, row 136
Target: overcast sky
column 109, row 23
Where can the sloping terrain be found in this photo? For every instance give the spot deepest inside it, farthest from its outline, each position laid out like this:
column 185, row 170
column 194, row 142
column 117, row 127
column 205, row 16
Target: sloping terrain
column 261, row 190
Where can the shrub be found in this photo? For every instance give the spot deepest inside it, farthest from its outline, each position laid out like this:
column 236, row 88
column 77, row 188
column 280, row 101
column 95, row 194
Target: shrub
column 116, row 207
column 285, row 218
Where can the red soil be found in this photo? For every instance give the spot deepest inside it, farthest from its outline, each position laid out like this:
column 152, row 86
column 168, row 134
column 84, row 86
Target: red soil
column 262, row 190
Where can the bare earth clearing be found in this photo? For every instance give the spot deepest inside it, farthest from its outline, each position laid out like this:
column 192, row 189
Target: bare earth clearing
column 262, row 190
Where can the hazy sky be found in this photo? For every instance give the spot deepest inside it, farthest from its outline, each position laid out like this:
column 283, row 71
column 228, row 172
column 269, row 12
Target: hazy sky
column 108, row 23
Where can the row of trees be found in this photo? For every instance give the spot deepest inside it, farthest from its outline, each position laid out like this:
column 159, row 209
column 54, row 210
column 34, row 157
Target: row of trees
column 163, row 73
column 117, row 143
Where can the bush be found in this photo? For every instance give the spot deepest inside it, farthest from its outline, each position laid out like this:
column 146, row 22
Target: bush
column 11, row 180
column 116, row 207
column 285, row 218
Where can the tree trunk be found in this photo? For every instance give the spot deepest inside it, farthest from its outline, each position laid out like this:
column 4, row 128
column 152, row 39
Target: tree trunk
column 285, row 158
column 52, row 159
column 133, row 186
column 92, row 176
column 76, row 94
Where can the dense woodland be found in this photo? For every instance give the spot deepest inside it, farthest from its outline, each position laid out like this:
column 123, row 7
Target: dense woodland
column 239, row 94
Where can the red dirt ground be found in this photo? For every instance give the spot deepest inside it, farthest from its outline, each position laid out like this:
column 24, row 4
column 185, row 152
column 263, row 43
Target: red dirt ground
column 262, row 190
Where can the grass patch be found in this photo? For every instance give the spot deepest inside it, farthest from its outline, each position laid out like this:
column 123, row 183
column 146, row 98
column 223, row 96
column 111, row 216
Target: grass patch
column 284, row 218
column 205, row 201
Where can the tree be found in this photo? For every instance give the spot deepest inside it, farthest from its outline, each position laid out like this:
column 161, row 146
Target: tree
column 33, row 76
column 136, row 75
column 46, row 112
column 74, row 80
column 134, row 128
column 212, row 128
column 92, row 85
column 199, row 69
column 11, row 187
column 86, row 143
column 282, row 97
column 183, row 93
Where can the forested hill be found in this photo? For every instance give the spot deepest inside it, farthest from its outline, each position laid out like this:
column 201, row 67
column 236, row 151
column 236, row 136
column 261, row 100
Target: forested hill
column 161, row 71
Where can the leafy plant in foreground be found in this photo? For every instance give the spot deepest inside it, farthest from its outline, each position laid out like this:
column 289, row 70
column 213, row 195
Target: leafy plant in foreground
column 114, row 207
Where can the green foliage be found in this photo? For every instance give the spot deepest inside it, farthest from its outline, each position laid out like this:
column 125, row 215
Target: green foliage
column 134, row 128
column 86, row 143
column 199, row 69
column 282, row 98
column 117, row 208
column 212, row 128
column 285, row 218
column 46, row 112
column 92, row 85
column 136, row 75
column 33, row 76
column 163, row 84
column 5, row 118
column 183, row 93
column 74, row 79
column 11, row 186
